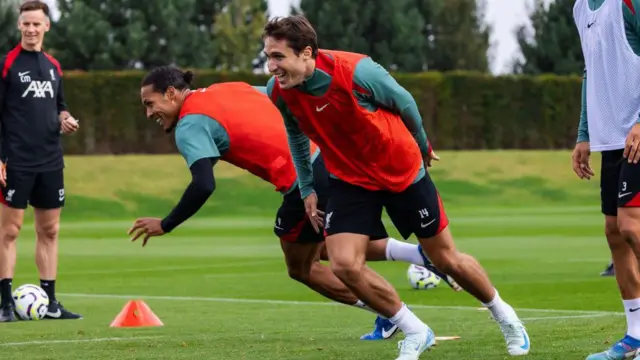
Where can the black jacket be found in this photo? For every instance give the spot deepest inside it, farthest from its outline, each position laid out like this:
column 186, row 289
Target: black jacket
column 31, row 98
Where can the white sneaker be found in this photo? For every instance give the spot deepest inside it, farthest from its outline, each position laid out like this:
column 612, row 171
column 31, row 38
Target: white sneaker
column 516, row 337
column 414, row 345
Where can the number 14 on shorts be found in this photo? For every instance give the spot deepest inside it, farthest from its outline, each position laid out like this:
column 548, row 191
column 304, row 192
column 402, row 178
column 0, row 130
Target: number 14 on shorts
column 424, row 217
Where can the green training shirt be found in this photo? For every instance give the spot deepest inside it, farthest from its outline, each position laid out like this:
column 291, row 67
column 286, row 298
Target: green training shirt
column 384, row 92
column 632, row 30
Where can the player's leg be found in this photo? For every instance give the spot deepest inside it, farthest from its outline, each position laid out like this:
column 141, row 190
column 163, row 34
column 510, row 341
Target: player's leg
column 614, row 191
column 390, row 249
column 304, row 267
column 419, row 210
column 301, row 246
column 352, row 217
column 47, row 199
column 15, row 197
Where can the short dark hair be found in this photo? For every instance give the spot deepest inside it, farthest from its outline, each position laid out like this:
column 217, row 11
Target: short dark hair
column 163, row 77
column 296, row 30
column 34, row 5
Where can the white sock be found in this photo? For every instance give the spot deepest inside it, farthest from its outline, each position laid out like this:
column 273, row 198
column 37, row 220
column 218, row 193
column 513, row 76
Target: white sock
column 364, row 306
column 500, row 309
column 407, row 321
column 633, row 318
column 402, row 251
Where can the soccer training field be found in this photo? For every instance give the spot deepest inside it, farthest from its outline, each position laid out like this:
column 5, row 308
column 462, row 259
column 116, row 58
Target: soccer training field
column 220, row 286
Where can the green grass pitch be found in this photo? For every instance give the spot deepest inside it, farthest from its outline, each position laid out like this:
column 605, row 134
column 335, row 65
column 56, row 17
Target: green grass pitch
column 219, row 282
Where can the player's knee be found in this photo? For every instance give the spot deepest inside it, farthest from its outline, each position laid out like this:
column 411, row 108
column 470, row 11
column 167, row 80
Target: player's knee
column 346, row 270
column 10, row 232
column 48, row 231
column 630, row 230
column 611, row 229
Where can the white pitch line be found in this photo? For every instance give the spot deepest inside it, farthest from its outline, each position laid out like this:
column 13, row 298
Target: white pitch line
column 586, row 316
column 70, row 341
column 318, row 303
column 170, row 268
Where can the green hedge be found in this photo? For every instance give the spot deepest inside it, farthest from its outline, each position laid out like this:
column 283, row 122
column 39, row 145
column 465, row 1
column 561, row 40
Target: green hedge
column 460, row 110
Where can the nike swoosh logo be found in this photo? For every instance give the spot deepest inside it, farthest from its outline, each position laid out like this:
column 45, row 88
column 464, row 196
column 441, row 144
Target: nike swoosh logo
column 525, row 346
column 318, row 109
column 23, row 73
column 388, row 333
column 427, row 224
column 56, row 314
column 623, row 194
column 634, row 309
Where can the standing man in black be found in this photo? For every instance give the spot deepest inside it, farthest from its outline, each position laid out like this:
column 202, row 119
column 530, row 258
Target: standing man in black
column 33, row 114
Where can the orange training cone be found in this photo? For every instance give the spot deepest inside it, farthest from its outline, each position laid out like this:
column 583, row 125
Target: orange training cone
column 136, row 313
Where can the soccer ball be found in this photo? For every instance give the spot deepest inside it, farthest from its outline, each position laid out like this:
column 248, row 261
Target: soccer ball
column 31, row 302
column 421, row 278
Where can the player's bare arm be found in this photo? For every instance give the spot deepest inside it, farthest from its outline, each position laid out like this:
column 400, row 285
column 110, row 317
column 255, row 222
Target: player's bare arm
column 581, row 153
column 384, row 91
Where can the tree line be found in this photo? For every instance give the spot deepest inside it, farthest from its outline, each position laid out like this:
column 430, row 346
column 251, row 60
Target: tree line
column 402, row 35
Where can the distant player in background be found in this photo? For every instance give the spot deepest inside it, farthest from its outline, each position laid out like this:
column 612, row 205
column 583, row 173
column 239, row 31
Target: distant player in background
column 610, row 37
column 33, row 114
column 237, row 123
column 371, row 136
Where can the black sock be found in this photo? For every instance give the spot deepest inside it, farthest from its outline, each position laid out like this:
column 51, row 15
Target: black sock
column 49, row 286
column 5, row 292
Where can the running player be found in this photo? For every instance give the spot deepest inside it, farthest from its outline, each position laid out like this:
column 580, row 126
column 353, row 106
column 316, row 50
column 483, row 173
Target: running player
column 373, row 143
column 237, row 123
column 610, row 37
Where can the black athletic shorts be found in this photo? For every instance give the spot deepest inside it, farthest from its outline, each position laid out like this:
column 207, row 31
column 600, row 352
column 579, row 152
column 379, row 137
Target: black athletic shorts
column 42, row 190
column 416, row 210
column 619, row 183
column 292, row 223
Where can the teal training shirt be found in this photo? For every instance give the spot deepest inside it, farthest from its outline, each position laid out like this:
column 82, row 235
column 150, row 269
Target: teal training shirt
column 200, row 136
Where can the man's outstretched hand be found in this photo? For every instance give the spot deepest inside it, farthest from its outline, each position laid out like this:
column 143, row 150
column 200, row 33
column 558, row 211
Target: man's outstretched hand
column 148, row 227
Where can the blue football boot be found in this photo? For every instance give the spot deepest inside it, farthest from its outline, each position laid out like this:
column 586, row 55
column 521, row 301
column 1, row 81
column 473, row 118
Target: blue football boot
column 626, row 348
column 383, row 330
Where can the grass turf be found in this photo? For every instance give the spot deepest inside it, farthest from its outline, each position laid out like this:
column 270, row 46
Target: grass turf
column 220, row 286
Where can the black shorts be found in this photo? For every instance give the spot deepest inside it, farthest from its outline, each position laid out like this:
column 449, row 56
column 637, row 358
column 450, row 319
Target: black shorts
column 42, row 190
column 292, row 223
column 416, row 210
column 619, row 183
